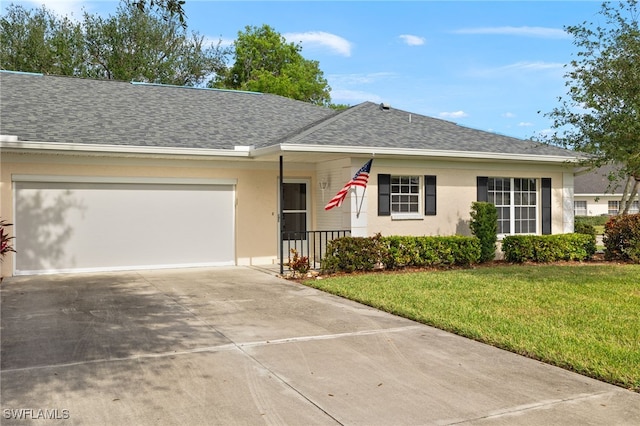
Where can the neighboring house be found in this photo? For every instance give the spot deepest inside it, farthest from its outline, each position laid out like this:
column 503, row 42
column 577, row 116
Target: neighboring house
column 105, row 175
column 596, row 195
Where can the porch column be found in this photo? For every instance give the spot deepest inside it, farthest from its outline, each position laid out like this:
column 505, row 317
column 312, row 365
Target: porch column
column 567, row 203
column 359, row 223
column 280, row 214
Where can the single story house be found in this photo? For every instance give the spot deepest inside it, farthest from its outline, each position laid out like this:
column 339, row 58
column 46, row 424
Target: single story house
column 107, row 175
column 596, row 195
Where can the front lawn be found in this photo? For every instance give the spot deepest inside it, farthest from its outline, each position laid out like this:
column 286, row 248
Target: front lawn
column 582, row 317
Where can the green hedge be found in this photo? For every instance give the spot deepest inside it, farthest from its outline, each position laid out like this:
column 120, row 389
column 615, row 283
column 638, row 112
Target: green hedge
column 351, row 254
column 622, row 238
column 591, row 220
column 584, row 228
column 548, row 248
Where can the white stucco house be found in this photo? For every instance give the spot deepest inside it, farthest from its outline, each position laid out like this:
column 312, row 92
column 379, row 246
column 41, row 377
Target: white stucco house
column 108, row 175
column 596, row 195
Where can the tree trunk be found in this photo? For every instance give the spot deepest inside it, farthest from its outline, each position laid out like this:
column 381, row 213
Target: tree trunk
column 630, row 192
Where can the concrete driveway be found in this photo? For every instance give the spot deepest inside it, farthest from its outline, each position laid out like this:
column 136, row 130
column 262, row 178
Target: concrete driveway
column 240, row 346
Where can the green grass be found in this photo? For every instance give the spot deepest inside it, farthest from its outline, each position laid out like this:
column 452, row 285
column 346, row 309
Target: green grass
column 584, row 318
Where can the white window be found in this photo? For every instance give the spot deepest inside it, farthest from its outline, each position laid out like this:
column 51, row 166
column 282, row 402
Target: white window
column 516, row 200
column 405, row 194
column 614, row 207
column 580, row 208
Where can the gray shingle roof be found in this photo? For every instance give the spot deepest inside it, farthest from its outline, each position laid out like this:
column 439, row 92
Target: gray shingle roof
column 369, row 125
column 597, row 182
column 64, row 109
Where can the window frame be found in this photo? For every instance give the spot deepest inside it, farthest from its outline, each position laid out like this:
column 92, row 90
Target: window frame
column 406, row 182
column 427, row 196
column 580, row 211
column 512, row 208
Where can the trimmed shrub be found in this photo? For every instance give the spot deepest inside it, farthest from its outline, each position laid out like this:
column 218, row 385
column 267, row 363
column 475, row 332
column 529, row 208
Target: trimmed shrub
column 622, row 238
column 484, row 225
column 430, row 251
column 591, row 220
column 351, row 254
column 584, row 228
column 548, row 248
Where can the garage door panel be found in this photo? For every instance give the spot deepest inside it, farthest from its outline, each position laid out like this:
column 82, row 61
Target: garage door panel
column 78, row 226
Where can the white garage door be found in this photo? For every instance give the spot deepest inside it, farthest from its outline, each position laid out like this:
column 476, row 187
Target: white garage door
column 99, row 226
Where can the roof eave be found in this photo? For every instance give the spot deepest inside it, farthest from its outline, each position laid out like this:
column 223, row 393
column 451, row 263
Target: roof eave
column 412, row 152
column 12, row 145
column 115, row 150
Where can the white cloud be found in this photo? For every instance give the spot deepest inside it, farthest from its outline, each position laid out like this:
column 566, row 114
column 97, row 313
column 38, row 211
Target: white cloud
column 354, row 79
column 521, row 67
column 525, row 124
column 412, row 40
column 59, row 7
column 545, row 132
column 533, row 66
column 454, row 114
column 540, row 32
column 508, row 115
column 335, row 43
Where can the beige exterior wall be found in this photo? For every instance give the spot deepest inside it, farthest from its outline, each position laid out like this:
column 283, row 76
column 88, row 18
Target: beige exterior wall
column 332, row 175
column 456, row 190
column 256, row 190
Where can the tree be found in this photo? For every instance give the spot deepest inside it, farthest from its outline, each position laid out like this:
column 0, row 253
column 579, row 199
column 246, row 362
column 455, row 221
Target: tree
column 137, row 45
column 265, row 62
column 40, row 41
column 601, row 114
column 168, row 8
column 131, row 45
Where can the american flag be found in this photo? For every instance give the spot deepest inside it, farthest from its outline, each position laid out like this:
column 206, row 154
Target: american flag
column 361, row 178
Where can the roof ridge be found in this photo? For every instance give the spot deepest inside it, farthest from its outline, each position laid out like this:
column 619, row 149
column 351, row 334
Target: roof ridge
column 177, row 86
column 317, row 125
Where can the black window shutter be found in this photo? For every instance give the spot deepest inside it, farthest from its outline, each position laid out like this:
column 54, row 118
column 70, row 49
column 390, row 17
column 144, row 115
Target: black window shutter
column 384, row 195
column 483, row 194
column 429, row 195
column 546, row 206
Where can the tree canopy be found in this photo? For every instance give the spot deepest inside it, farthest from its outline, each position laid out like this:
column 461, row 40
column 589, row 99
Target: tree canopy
column 168, row 8
column 265, row 62
column 130, row 45
column 147, row 40
column 600, row 116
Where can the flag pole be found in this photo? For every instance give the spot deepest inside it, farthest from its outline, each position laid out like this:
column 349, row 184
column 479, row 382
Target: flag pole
column 361, row 201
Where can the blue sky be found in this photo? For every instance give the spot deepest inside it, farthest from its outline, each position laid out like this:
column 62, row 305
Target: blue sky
column 487, row 65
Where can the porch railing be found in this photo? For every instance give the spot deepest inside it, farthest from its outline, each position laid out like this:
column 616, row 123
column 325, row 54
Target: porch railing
column 312, row 244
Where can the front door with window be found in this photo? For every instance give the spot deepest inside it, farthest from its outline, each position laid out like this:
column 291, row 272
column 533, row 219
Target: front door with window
column 295, row 216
